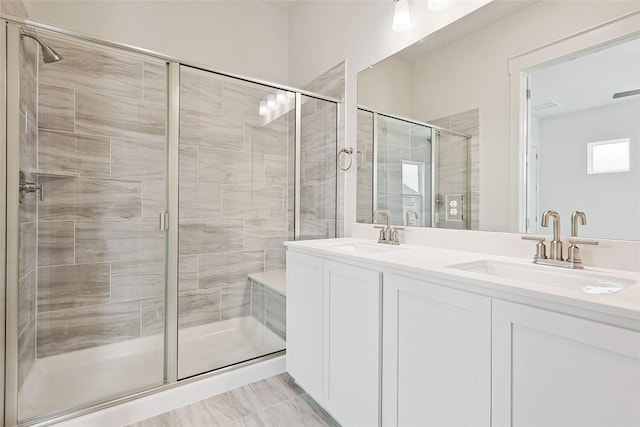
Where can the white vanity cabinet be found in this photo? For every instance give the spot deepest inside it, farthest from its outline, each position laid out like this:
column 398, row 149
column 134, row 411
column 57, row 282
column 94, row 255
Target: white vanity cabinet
column 333, row 336
column 436, row 355
column 305, row 321
column 552, row 369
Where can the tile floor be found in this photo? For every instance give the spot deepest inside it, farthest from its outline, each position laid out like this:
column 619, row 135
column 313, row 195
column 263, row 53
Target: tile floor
column 273, row 402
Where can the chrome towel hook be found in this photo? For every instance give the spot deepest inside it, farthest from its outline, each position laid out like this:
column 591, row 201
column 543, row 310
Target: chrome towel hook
column 346, row 164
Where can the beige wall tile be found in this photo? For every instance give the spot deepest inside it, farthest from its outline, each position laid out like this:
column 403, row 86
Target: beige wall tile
column 100, row 114
column 96, row 69
column 56, row 243
column 264, row 233
column 198, row 307
column 86, row 155
column 27, row 246
column 241, row 264
column 188, row 273
column 235, row 301
column 212, row 270
column 200, row 200
column 154, row 198
column 84, row 327
column 152, row 317
column 210, row 236
column 26, row 351
column 244, row 201
column 155, row 82
column 275, row 171
column 134, row 159
column 319, row 165
column 69, row 286
column 269, row 139
column 56, row 108
column 200, row 91
column 98, row 241
column 77, row 199
column 188, row 163
column 212, row 131
column 274, row 259
column 230, row 167
column 26, row 300
column 243, row 99
column 137, row 279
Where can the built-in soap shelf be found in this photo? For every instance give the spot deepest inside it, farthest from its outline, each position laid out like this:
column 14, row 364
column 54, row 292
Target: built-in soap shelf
column 53, row 173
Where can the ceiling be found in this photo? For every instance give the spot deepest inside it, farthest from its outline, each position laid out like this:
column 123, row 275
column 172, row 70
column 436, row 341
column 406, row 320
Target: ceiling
column 587, row 81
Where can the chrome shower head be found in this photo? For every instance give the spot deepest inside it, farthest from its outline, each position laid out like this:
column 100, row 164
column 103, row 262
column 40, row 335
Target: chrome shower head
column 48, row 54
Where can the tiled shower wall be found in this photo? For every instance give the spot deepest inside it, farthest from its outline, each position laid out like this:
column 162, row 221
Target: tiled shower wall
column 233, row 193
column 101, row 161
column 317, row 218
column 452, row 173
column 27, row 214
column 101, row 157
column 364, row 186
column 398, row 141
column 467, row 122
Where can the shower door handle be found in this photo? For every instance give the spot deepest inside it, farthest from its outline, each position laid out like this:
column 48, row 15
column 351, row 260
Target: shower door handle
column 164, row 221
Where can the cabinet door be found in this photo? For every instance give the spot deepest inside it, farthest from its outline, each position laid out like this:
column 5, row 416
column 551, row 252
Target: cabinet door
column 305, row 321
column 436, row 355
column 551, row 369
column 352, row 295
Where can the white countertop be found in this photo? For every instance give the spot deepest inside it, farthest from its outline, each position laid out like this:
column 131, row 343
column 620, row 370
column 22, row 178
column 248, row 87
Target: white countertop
column 435, row 263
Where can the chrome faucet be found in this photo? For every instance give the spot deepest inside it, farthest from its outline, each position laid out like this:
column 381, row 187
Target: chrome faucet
column 388, row 234
column 409, row 214
column 573, row 253
column 555, row 251
column 555, row 256
column 575, row 217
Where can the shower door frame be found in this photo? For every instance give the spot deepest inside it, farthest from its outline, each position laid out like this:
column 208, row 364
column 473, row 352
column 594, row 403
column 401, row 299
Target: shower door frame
column 9, row 230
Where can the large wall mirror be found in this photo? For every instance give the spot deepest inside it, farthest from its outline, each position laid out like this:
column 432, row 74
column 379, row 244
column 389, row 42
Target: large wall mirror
column 519, row 155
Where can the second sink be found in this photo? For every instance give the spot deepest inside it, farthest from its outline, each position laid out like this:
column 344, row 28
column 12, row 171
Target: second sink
column 588, row 282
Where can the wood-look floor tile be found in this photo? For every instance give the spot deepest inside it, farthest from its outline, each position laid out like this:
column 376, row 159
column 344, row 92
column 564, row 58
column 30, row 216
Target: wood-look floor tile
column 301, row 411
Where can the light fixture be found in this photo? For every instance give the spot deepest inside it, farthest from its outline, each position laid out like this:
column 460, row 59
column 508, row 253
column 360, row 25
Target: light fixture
column 263, row 108
column 401, row 16
column 271, row 101
column 281, row 97
column 437, row 4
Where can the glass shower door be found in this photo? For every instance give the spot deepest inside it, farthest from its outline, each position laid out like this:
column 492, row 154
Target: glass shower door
column 91, row 257
column 236, row 142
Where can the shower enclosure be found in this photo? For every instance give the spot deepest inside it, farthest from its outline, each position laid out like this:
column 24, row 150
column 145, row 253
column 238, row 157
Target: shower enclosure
column 147, row 205
column 418, row 172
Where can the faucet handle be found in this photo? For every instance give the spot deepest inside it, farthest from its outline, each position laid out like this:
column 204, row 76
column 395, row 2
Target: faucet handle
column 578, row 240
column 573, row 253
column 382, row 237
column 541, row 249
column 534, row 238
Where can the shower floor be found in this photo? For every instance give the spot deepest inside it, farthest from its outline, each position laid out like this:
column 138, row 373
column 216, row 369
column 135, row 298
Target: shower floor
column 84, row 377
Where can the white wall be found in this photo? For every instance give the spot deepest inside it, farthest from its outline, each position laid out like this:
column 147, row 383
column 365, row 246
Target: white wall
column 613, row 211
column 392, row 82
column 472, row 73
column 244, row 37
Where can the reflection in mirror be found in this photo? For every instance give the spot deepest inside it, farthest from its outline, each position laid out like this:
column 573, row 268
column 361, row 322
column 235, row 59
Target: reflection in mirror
column 418, row 172
column 583, row 138
column 459, row 78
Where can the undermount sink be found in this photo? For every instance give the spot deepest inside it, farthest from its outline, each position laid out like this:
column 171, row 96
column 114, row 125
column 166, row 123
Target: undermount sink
column 579, row 280
column 366, row 248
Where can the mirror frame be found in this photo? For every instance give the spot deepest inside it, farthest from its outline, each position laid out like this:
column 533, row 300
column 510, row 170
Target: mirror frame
column 607, row 33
